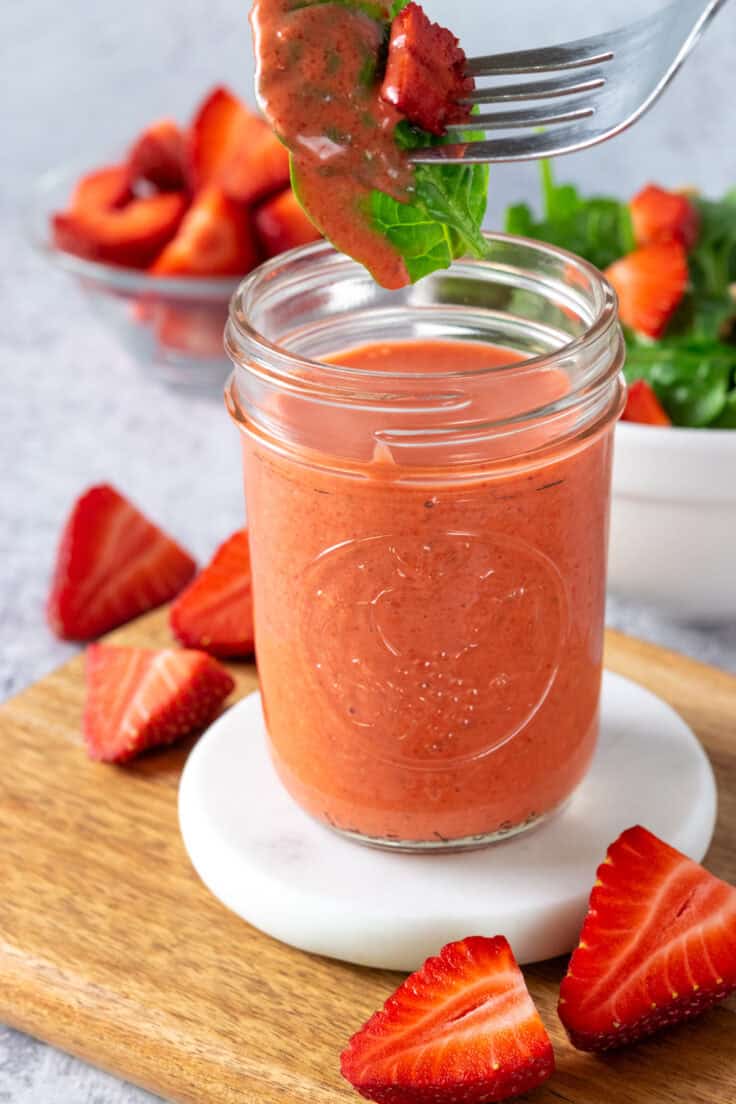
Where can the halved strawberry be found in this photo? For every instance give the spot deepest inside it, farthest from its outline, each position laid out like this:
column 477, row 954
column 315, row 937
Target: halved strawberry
column 281, row 224
column 215, row 612
column 215, row 239
column 643, row 406
column 159, row 156
column 139, row 699
column 112, row 564
column 131, row 235
column 650, row 284
column 426, row 72
column 661, row 216
column 220, row 123
column 658, row 945
column 258, row 164
column 461, row 1029
column 101, row 190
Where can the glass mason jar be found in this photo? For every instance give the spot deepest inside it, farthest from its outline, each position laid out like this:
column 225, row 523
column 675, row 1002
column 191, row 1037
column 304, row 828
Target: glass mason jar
column 428, row 547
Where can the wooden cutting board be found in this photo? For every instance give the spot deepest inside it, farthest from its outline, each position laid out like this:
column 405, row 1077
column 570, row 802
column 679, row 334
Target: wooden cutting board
column 112, row 949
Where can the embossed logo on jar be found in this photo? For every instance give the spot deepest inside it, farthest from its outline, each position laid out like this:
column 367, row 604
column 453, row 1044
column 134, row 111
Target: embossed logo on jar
column 437, row 653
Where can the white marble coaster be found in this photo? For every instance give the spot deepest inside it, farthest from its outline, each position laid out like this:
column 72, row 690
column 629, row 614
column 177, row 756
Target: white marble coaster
column 301, row 883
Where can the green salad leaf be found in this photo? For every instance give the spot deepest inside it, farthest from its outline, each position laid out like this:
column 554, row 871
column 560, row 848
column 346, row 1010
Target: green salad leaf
column 691, row 376
column 444, row 219
column 599, row 229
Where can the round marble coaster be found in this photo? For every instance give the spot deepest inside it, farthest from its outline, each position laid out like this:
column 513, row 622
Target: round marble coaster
column 303, row 884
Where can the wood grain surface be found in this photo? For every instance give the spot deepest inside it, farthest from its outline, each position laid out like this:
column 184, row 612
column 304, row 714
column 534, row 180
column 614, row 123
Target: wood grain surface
column 112, row 949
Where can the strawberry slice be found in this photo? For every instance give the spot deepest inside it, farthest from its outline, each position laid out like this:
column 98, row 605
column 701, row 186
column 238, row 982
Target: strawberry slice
column 658, row 945
column 131, row 235
column 281, row 224
column 215, row 239
column 642, row 405
column 661, row 216
column 102, row 190
column 258, row 165
column 463, row 1028
column 426, row 72
column 220, row 123
column 139, row 699
column 650, row 284
column 112, row 564
column 215, row 612
column 158, row 155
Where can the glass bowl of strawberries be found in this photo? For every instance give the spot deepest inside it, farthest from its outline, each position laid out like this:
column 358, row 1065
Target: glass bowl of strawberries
column 160, row 239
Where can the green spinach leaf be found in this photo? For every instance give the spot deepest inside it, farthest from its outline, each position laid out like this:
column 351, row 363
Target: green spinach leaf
column 598, row 229
column 444, row 218
column 692, row 377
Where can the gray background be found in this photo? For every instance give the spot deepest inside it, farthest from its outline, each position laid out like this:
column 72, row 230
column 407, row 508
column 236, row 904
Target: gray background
column 81, row 78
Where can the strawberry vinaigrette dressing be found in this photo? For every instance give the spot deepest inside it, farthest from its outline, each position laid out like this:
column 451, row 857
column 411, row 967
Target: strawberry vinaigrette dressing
column 430, row 648
column 315, row 63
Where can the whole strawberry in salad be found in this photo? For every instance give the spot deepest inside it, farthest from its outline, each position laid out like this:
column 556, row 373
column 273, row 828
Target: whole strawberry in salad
column 671, row 258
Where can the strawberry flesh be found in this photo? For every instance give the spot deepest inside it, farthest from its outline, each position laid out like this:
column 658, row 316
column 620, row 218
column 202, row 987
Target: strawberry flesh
column 281, row 224
column 112, row 565
column 426, row 77
column 215, row 612
column 643, row 406
column 215, row 239
column 139, row 699
column 650, row 284
column 658, row 946
column 159, row 156
column 102, row 190
column 131, row 235
column 462, row 1030
column 258, row 164
column 662, row 216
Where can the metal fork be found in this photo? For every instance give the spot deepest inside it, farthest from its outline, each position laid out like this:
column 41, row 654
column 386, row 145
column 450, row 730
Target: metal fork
column 601, row 85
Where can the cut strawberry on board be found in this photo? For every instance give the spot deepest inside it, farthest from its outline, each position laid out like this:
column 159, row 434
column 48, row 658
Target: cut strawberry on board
column 131, row 235
column 650, row 284
column 661, row 216
column 159, row 156
column 112, row 564
column 215, row 239
column 426, row 72
column 139, row 699
column 258, row 165
column 281, row 224
column 643, row 406
column 215, row 612
column 658, row 945
column 462, row 1030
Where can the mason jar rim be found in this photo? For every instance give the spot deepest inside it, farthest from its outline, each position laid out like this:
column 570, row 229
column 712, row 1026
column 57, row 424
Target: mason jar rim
column 248, row 347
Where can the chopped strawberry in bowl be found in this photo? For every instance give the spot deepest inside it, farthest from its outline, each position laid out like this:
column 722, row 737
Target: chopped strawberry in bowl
column 160, row 234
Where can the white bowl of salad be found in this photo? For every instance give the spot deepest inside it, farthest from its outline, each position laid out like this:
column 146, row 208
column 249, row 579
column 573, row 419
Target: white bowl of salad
column 672, row 259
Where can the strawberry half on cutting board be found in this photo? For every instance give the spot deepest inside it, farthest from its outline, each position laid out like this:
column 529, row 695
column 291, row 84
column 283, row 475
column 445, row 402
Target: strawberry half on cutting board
column 461, row 1030
column 215, row 612
column 112, row 565
column 139, row 699
column 658, row 945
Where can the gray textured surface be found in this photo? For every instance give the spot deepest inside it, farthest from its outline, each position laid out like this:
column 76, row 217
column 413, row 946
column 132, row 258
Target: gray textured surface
column 82, row 78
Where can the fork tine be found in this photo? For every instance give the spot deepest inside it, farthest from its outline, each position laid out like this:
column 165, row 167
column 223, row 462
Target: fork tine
column 531, row 117
column 535, row 90
column 565, row 139
column 572, row 55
